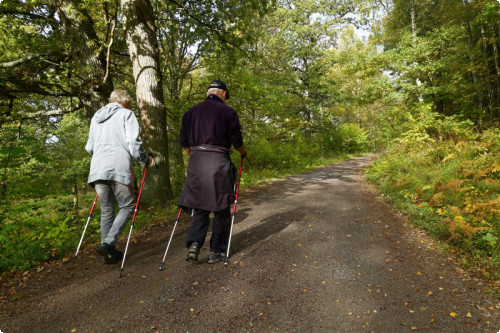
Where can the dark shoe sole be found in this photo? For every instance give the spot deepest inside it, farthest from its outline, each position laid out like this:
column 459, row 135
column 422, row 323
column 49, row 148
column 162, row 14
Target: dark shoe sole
column 214, row 261
column 217, row 259
column 110, row 258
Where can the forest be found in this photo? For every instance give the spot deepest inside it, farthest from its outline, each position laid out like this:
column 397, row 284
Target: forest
column 416, row 82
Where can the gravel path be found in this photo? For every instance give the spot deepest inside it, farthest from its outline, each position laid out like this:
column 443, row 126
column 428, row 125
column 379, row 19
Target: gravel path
column 315, row 252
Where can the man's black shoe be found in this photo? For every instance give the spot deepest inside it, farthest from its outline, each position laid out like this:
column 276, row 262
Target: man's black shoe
column 194, row 249
column 110, row 253
column 215, row 257
column 118, row 254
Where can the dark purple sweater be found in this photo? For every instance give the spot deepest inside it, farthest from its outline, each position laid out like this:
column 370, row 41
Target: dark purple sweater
column 211, row 122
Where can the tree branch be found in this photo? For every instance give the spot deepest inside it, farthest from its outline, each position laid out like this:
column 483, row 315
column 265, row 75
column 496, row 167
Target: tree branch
column 33, row 56
column 39, row 114
column 113, row 28
column 8, row 11
column 14, row 86
column 210, row 27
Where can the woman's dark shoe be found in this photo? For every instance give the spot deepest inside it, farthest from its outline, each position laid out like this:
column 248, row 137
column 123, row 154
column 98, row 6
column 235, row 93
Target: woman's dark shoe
column 110, row 253
column 193, row 252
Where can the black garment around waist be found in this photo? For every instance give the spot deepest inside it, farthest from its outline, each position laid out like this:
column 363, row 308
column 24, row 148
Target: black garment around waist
column 210, row 179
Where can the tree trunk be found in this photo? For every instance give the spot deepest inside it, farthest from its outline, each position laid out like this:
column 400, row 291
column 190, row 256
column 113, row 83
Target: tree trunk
column 414, row 44
column 88, row 54
column 497, row 68
column 479, row 92
column 489, row 88
column 142, row 44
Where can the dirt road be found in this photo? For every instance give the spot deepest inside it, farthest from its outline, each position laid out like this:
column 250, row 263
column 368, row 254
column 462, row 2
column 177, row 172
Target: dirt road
column 315, row 252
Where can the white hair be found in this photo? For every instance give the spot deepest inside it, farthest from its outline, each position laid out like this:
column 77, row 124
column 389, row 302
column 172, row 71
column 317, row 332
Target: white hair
column 215, row 91
column 120, row 96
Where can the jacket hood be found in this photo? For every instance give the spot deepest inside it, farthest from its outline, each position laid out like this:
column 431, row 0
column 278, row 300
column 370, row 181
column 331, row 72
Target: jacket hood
column 106, row 112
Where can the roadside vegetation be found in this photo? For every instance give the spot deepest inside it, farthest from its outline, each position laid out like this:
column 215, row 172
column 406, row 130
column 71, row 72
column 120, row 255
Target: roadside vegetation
column 444, row 174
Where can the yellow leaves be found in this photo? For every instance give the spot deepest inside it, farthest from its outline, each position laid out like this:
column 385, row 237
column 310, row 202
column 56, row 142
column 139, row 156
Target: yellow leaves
column 453, row 314
column 496, row 165
column 459, row 226
column 450, row 156
column 452, row 185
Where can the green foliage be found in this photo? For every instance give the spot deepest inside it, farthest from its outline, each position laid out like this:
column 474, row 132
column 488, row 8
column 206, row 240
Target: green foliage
column 445, row 53
column 38, row 159
column 446, row 176
column 32, row 231
column 353, row 138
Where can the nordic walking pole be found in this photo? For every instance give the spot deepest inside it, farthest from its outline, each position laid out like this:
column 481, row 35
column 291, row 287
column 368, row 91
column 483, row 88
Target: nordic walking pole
column 234, row 211
column 133, row 220
column 172, row 235
column 85, row 228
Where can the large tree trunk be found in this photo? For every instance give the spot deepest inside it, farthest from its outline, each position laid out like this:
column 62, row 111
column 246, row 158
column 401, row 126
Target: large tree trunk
column 88, row 53
column 142, row 45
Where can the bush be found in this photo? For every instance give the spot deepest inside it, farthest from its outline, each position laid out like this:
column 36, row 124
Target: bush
column 446, row 177
column 38, row 230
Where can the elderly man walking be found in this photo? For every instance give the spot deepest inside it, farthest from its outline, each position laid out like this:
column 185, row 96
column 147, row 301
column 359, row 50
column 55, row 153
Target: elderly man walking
column 208, row 130
column 114, row 143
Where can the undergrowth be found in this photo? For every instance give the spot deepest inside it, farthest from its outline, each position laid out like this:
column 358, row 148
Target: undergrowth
column 445, row 176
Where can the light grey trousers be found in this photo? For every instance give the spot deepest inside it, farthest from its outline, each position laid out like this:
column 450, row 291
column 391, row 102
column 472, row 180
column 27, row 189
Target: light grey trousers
column 111, row 192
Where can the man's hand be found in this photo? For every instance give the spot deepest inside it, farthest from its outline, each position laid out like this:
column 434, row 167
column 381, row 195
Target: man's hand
column 242, row 150
column 150, row 159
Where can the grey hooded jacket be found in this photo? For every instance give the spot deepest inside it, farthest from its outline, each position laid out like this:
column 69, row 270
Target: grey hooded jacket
column 113, row 141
